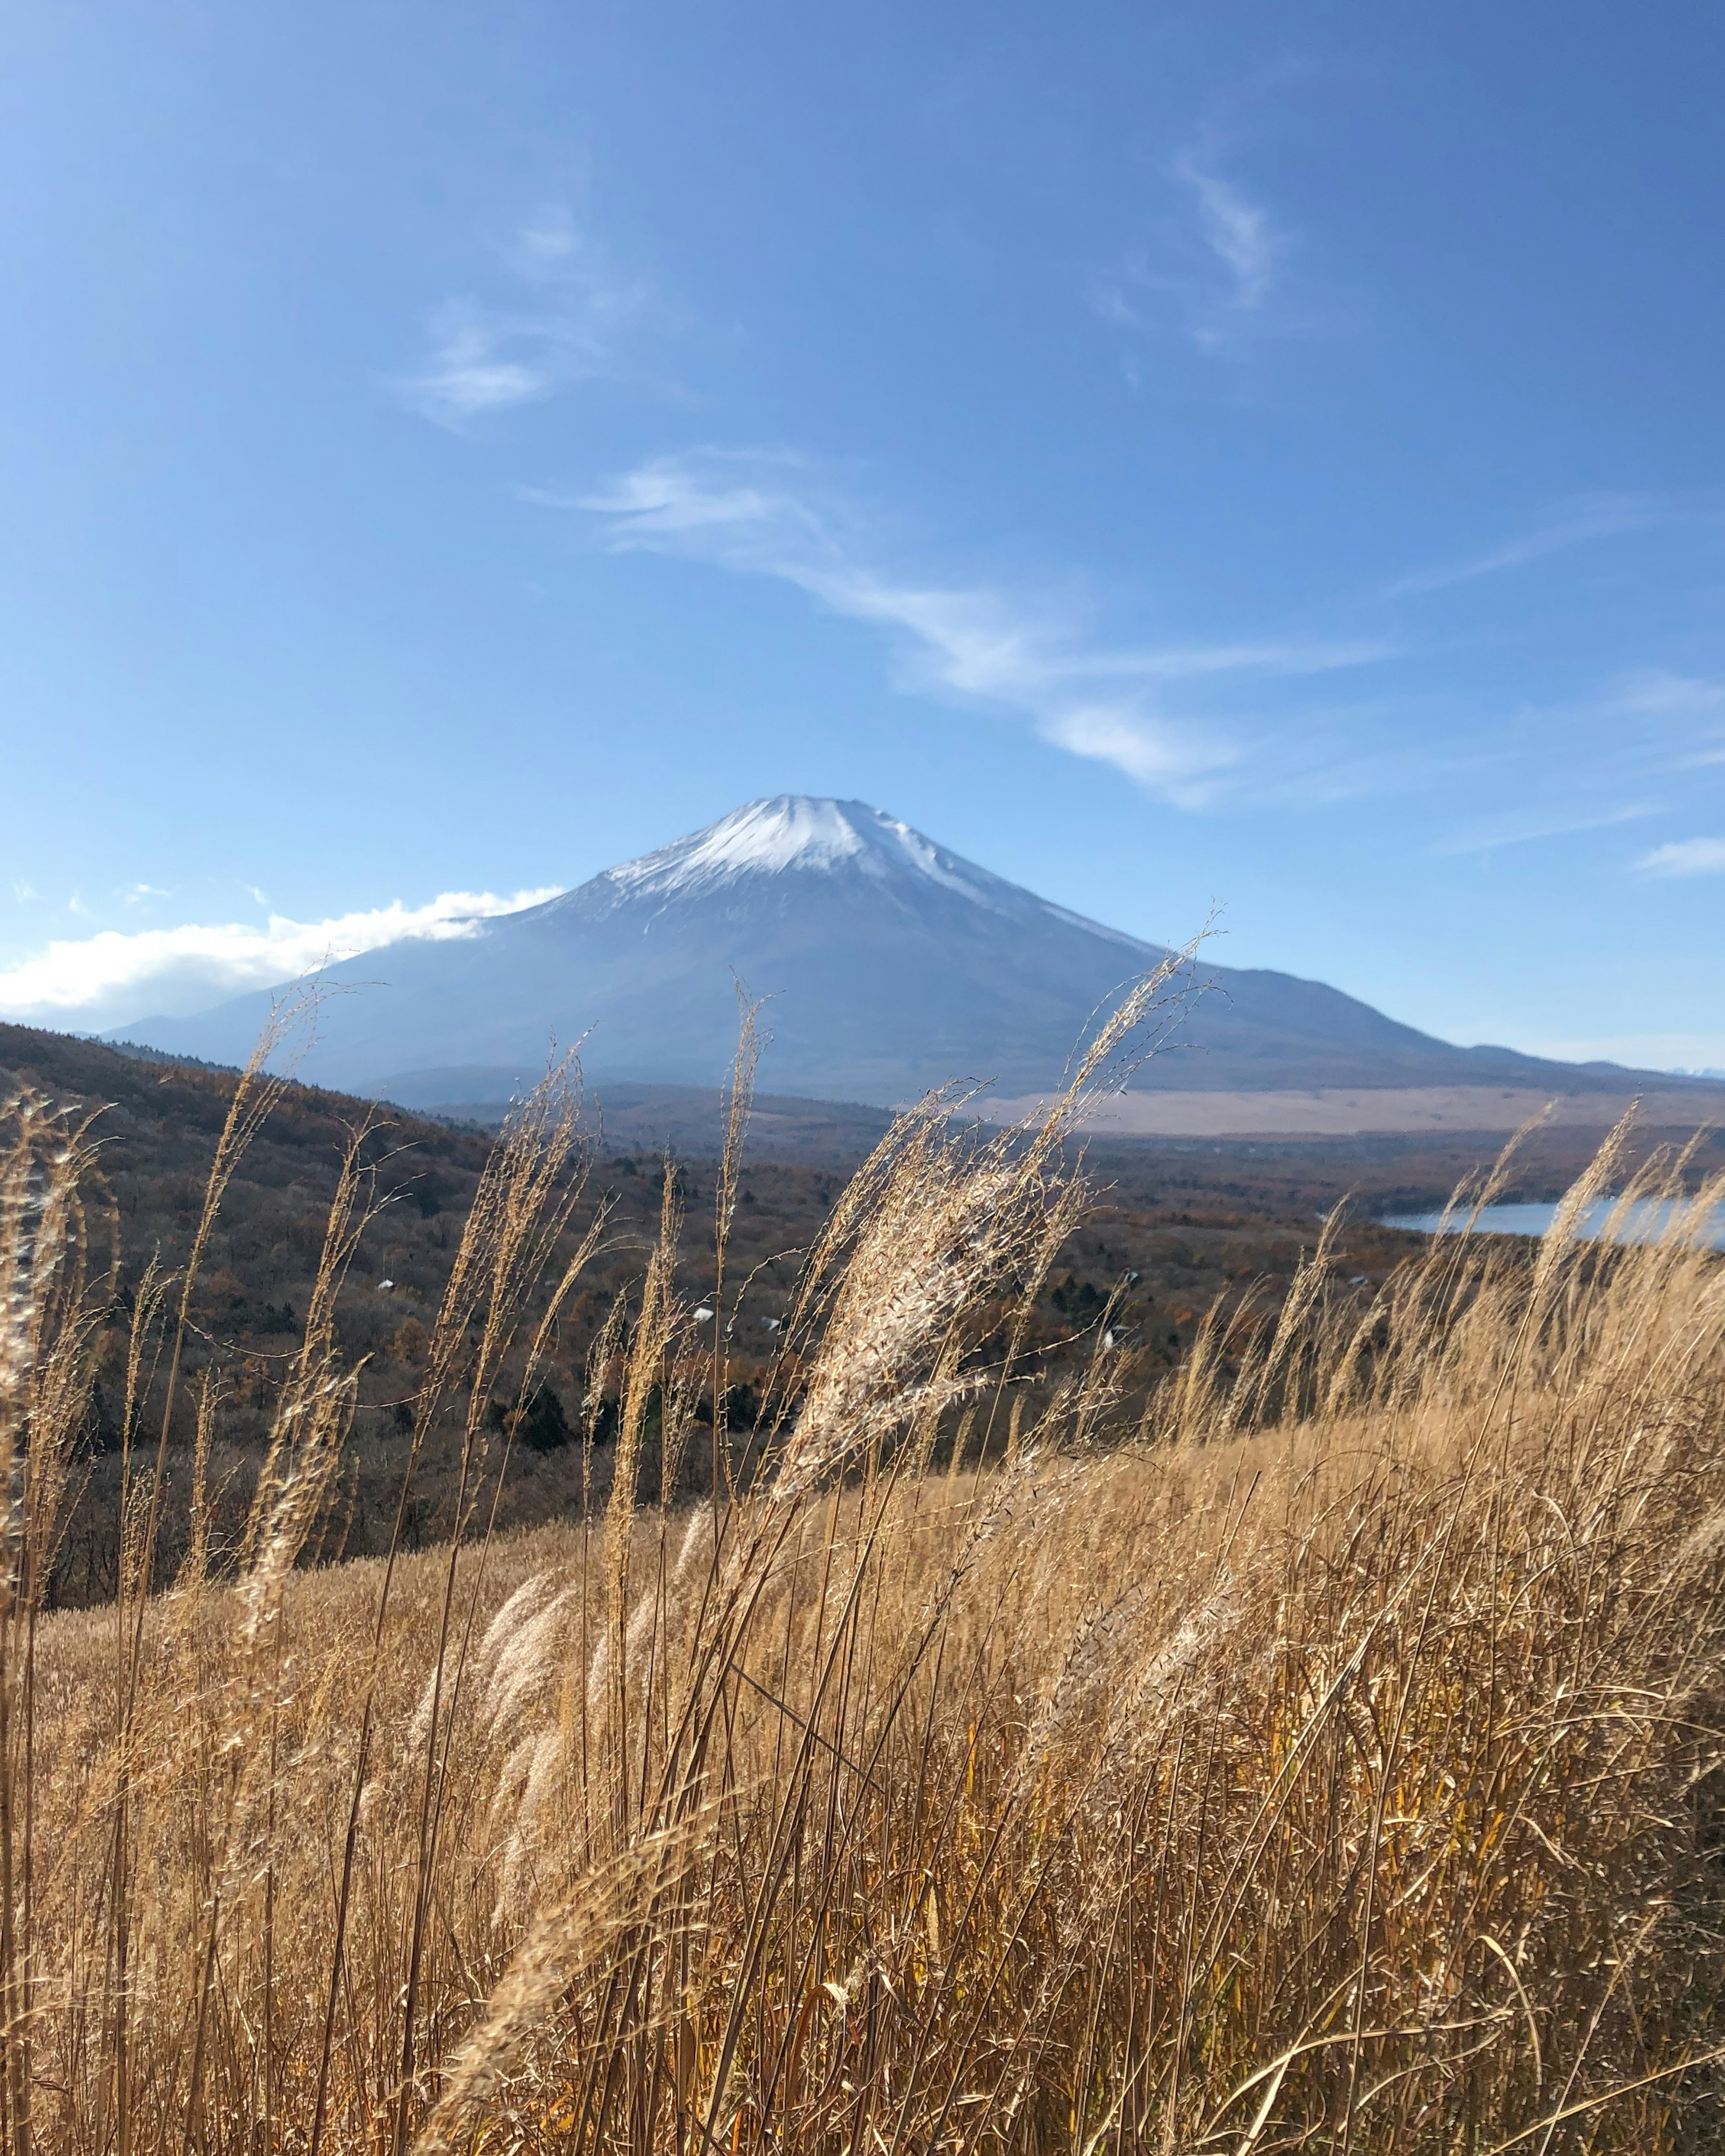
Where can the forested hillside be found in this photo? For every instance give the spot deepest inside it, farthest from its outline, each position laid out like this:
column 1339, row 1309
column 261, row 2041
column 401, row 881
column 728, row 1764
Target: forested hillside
column 1172, row 1230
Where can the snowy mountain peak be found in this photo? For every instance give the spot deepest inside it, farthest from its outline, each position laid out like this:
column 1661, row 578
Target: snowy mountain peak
column 894, row 965
column 788, row 831
column 792, row 831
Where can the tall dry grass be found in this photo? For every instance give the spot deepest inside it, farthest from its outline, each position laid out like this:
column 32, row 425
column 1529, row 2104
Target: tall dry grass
column 1329, row 1756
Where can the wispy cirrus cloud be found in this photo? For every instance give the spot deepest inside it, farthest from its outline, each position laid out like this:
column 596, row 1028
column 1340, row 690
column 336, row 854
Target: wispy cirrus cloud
column 114, row 977
column 1686, row 710
column 1594, row 516
column 1521, row 827
column 1685, row 857
column 1619, row 753
column 1658, row 692
column 765, row 515
column 1238, row 233
column 567, row 316
column 1217, row 270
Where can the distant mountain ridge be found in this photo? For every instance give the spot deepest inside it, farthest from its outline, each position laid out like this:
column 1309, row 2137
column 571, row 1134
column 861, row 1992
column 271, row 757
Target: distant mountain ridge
column 893, row 964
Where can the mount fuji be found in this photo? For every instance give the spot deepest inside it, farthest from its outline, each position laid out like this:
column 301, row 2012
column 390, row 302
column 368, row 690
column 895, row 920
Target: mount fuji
column 893, row 966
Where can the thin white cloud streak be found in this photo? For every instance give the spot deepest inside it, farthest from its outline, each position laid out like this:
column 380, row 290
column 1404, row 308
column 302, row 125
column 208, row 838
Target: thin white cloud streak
column 1613, row 757
column 469, row 371
column 1685, row 857
column 1218, row 273
column 1487, row 835
column 1655, row 692
column 1690, row 707
column 571, row 312
column 756, row 515
column 1603, row 516
column 1237, row 231
column 1647, row 718
column 113, row 977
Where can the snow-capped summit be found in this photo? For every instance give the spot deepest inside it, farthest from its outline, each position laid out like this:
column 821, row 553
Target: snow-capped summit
column 790, row 831
column 796, row 835
column 892, row 965
column 780, row 853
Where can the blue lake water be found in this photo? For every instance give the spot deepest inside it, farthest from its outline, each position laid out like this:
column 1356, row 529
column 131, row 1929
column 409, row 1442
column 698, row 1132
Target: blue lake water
column 1643, row 1225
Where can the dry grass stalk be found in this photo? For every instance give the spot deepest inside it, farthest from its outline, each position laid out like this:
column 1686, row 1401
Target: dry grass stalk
column 1330, row 1758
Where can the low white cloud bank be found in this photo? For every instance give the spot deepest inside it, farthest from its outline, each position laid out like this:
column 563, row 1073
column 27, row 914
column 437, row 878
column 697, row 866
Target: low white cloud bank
column 1685, row 857
column 94, row 983
column 762, row 514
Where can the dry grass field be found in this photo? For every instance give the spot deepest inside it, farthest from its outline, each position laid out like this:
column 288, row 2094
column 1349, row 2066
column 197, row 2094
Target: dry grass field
column 1326, row 1754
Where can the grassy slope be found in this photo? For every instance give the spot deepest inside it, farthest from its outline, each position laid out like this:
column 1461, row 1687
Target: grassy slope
column 1330, row 1758
column 1196, row 1222
column 1191, row 1224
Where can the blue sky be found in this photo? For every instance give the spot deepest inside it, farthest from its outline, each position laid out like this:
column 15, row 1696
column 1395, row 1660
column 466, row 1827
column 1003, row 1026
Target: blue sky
column 1245, row 456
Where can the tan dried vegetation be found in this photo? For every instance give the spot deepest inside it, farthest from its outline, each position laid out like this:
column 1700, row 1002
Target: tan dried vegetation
column 1329, row 1760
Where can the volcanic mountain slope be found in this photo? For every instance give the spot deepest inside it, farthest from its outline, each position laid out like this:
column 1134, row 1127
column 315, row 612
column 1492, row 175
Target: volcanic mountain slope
column 893, row 966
